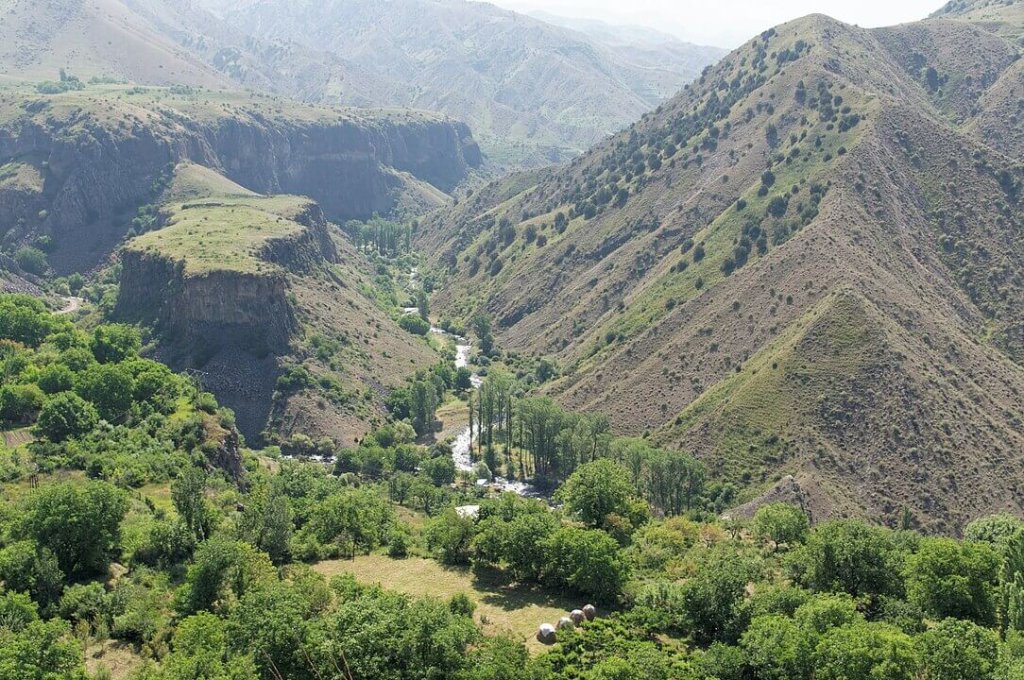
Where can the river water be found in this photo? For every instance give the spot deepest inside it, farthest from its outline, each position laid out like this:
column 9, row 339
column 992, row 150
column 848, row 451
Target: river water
column 463, row 441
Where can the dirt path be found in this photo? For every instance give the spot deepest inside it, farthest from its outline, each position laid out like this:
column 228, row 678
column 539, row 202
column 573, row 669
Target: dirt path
column 71, row 304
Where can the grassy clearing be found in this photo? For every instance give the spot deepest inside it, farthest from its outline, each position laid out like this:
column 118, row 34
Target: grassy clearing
column 119, row 658
column 225, row 233
column 500, row 608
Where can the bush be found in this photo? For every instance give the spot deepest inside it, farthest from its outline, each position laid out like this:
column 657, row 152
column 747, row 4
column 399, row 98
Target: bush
column 31, row 260
column 415, row 324
column 66, row 415
column 19, row 404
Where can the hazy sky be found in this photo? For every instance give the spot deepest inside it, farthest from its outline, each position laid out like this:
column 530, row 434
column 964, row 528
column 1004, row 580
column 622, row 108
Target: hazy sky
column 728, row 23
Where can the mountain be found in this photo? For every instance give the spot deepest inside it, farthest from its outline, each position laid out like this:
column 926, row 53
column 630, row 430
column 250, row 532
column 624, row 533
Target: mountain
column 809, row 263
column 533, row 93
column 217, row 205
column 101, row 38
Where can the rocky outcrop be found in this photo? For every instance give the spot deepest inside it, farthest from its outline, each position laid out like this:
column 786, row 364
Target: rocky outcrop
column 228, row 325
column 96, row 170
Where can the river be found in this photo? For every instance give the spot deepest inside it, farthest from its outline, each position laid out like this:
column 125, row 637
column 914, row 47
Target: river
column 463, row 441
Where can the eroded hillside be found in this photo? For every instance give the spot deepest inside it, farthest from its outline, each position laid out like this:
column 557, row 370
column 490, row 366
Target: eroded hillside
column 76, row 166
column 243, row 288
column 809, row 262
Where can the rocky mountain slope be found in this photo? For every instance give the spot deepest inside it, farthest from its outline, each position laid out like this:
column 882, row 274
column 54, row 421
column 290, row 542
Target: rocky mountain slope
column 807, row 263
column 76, row 167
column 532, row 92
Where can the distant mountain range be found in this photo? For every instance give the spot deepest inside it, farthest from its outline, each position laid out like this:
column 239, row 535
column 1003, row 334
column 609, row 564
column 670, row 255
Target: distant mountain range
column 533, row 92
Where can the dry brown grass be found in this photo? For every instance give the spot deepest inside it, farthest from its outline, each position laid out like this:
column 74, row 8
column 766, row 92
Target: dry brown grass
column 515, row 610
column 120, row 658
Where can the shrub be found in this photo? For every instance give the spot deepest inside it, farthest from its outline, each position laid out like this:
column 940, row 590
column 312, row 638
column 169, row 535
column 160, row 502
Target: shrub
column 31, row 260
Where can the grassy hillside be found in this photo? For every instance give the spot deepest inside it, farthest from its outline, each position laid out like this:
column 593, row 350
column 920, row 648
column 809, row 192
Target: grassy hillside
column 819, row 171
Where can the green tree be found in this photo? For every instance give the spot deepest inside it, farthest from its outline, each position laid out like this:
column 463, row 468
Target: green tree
column 586, row 560
column 24, row 319
column 777, row 649
column 853, row 557
column 115, row 342
column 450, row 537
column 201, row 651
column 949, row 578
column 66, row 415
column 780, row 523
column 31, row 260
column 222, row 571
column 712, row 599
column 79, row 522
column 55, row 378
column 40, row 651
column 423, row 305
column 188, row 492
column 956, row 649
column 866, row 651
column 481, row 324
column 19, row 404
column 109, row 387
column 26, row 568
column 596, row 490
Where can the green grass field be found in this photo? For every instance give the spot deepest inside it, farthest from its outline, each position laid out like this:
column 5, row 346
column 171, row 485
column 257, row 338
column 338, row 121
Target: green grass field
column 501, row 608
column 225, row 232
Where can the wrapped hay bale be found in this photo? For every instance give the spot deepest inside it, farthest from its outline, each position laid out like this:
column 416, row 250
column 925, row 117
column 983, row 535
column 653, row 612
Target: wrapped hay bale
column 577, row 616
column 546, row 634
column 590, row 611
column 565, row 623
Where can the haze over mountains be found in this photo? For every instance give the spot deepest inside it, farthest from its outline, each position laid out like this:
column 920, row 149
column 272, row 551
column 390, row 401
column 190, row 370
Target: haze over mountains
column 533, row 92
column 809, row 262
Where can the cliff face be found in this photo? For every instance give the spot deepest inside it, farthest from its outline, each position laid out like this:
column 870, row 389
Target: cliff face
column 95, row 167
column 230, row 325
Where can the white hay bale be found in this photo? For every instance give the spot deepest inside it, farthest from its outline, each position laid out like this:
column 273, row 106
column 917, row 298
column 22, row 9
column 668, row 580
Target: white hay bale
column 577, row 616
column 590, row 611
column 565, row 623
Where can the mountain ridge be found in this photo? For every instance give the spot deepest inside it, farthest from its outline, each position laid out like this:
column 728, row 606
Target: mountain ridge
column 795, row 175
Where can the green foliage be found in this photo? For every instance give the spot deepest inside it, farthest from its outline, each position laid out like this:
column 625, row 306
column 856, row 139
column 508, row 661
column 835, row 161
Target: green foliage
column 79, row 523
column 415, row 324
column 31, row 260
column 450, row 537
column 66, row 415
column 19, row 404
column 946, row 578
column 851, row 556
column 222, row 572
column 109, row 387
column 954, row 649
column 24, row 319
column 113, row 343
column 776, row 648
column 596, row 490
column 780, row 523
column 711, row 603
column 188, row 492
column 866, row 651
column 26, row 568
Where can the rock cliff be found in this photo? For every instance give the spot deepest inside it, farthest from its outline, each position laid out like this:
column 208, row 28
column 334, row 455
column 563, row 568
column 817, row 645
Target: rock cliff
column 93, row 157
